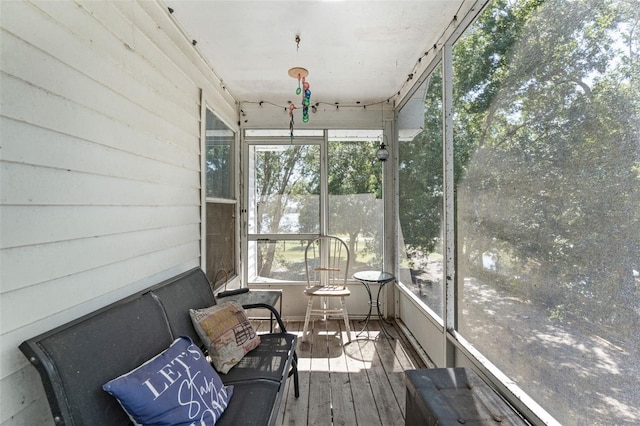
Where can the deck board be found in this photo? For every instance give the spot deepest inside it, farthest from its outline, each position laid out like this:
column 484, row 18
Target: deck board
column 392, row 368
column 319, row 375
column 348, row 383
column 363, row 397
column 386, row 403
column 341, row 395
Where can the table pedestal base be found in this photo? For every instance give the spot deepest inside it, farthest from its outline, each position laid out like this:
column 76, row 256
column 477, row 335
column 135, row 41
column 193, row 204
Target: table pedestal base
column 366, row 279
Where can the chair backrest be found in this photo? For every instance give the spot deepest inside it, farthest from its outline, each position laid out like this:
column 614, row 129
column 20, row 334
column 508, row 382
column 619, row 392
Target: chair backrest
column 326, row 261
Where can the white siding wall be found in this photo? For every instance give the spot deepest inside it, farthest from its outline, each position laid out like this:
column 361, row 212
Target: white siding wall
column 100, row 167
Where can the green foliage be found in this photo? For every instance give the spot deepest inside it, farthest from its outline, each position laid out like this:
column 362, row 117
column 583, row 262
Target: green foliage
column 218, row 176
column 421, row 177
column 351, row 169
column 292, row 176
column 546, row 154
column 547, row 135
column 281, row 175
column 354, row 183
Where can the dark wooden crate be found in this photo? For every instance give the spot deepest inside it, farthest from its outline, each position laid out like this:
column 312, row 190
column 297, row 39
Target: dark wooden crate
column 454, row 396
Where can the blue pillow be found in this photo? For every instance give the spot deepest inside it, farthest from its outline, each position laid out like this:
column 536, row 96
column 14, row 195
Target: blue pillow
column 176, row 387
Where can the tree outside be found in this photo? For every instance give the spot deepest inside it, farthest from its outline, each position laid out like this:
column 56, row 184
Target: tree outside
column 288, row 187
column 547, row 183
column 355, row 200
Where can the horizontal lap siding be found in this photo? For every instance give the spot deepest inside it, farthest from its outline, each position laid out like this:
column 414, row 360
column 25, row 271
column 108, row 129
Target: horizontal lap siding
column 99, row 168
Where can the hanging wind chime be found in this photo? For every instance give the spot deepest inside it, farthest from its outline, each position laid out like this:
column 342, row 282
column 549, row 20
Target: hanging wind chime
column 300, row 74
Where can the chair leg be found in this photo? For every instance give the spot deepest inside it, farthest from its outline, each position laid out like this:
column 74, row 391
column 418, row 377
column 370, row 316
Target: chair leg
column 324, row 305
column 346, row 318
column 306, row 319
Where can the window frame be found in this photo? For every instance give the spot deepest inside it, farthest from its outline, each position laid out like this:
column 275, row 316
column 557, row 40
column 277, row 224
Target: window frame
column 234, row 279
column 311, row 138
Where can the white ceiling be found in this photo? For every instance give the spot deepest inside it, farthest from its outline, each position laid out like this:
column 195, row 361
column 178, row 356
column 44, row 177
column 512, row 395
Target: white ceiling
column 355, row 51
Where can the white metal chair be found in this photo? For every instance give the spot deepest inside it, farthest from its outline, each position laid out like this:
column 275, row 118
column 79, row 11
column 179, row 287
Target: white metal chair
column 326, row 261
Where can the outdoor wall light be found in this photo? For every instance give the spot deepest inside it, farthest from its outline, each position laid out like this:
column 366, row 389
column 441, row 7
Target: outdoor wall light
column 382, row 154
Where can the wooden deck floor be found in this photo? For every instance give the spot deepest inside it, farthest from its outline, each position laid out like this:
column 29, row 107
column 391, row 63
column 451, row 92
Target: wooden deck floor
column 342, row 383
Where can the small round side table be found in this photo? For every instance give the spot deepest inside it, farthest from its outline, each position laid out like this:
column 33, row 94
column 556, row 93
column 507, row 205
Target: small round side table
column 380, row 278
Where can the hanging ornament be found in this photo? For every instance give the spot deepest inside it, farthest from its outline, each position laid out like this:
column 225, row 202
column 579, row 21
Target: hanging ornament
column 300, row 74
column 291, row 108
column 303, row 88
column 306, row 100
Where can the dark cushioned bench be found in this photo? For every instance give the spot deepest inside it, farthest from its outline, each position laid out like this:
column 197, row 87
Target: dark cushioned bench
column 76, row 359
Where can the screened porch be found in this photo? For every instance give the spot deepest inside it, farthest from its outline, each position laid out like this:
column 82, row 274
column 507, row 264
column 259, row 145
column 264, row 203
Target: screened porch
column 140, row 139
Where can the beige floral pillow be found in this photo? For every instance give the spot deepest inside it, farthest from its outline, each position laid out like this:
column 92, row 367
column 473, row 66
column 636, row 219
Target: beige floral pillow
column 226, row 332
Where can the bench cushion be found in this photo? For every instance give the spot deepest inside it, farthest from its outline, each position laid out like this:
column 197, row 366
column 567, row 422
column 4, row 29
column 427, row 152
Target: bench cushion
column 253, row 403
column 176, row 387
